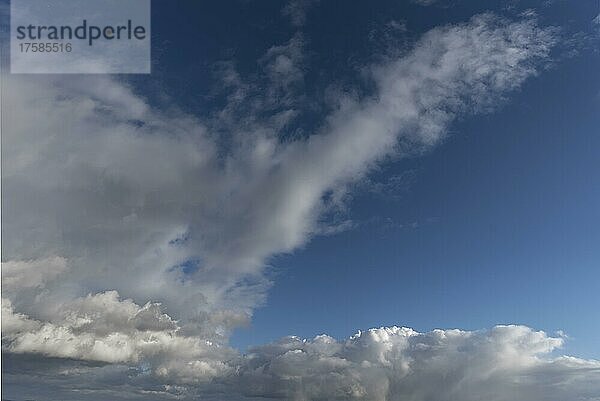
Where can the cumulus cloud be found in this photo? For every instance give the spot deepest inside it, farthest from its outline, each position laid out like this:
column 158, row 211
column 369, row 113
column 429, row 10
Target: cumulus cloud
column 388, row 363
column 104, row 328
column 134, row 238
column 392, row 363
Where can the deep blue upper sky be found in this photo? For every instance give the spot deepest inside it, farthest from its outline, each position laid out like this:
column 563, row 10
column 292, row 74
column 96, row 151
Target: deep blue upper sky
column 500, row 224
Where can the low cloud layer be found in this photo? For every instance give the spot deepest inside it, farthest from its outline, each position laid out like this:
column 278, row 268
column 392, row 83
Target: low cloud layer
column 393, row 363
column 389, row 363
column 104, row 328
column 134, row 240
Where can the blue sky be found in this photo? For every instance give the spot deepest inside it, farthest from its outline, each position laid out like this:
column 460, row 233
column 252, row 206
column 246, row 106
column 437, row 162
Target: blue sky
column 507, row 230
column 311, row 200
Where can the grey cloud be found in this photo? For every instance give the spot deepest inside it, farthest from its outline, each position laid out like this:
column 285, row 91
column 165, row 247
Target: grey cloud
column 31, row 273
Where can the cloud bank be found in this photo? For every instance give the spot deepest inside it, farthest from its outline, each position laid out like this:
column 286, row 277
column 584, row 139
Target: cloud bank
column 135, row 241
column 392, row 363
column 389, row 363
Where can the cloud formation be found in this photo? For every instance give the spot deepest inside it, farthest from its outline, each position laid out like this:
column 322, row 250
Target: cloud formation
column 392, row 363
column 135, row 240
column 388, row 363
column 104, row 328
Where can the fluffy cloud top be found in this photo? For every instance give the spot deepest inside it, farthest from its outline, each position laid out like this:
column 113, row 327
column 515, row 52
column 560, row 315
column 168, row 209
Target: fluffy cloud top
column 135, row 240
column 389, row 363
column 104, row 328
column 392, row 363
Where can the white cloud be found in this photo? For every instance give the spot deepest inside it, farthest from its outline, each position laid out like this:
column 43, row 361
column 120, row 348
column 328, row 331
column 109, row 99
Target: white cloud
column 394, row 363
column 104, row 195
column 388, row 363
column 104, row 328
